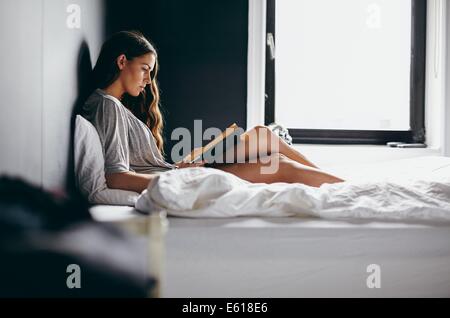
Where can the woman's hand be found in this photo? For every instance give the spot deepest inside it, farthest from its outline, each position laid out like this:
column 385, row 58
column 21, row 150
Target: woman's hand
column 181, row 164
column 185, row 163
column 194, row 153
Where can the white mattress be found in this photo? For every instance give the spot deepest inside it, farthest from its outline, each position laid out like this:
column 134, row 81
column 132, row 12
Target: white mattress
column 291, row 257
column 124, row 216
column 305, row 257
column 298, row 257
column 114, row 213
column 411, row 168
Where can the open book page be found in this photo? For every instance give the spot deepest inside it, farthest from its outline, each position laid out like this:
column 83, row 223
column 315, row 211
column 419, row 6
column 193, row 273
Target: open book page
column 198, row 153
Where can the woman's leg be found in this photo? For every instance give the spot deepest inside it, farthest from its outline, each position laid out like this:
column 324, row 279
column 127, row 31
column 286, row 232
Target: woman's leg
column 287, row 170
column 261, row 140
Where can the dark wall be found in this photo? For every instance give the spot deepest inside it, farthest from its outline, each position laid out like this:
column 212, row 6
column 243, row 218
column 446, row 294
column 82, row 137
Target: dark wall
column 202, row 47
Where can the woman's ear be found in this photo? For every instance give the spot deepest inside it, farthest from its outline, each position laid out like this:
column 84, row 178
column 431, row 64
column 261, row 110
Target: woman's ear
column 121, row 61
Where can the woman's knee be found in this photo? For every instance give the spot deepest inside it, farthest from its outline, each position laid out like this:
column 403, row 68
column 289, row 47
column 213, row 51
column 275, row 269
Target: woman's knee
column 260, row 129
column 254, row 133
column 266, row 136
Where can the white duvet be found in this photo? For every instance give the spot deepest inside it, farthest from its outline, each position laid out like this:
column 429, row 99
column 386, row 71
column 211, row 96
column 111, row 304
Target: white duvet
column 404, row 190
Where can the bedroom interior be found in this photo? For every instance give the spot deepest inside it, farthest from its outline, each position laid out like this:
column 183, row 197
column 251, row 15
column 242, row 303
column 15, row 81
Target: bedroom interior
column 202, row 232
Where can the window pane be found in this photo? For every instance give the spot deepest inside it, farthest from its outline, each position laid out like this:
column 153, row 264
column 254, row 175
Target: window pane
column 343, row 64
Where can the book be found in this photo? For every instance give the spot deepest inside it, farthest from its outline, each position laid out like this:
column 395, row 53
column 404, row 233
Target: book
column 226, row 138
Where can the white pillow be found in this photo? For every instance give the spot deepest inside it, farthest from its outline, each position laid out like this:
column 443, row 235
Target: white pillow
column 90, row 165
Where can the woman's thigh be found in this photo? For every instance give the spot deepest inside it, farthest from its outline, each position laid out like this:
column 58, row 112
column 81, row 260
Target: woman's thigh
column 279, row 168
column 257, row 142
column 263, row 170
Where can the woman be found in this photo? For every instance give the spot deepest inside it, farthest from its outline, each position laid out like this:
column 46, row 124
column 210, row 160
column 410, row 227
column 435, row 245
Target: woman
column 124, row 108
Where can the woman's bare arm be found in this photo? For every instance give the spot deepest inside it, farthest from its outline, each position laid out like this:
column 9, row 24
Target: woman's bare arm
column 130, row 181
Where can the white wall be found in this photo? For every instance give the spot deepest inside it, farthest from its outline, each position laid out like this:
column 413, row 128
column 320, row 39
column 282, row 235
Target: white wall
column 446, row 117
column 39, row 84
column 435, row 74
column 21, row 88
column 256, row 65
column 61, row 51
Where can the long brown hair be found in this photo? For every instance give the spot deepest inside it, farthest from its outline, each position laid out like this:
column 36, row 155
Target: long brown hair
column 145, row 106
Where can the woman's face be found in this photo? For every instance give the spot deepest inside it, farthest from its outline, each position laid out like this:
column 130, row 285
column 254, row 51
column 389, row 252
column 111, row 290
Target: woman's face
column 135, row 74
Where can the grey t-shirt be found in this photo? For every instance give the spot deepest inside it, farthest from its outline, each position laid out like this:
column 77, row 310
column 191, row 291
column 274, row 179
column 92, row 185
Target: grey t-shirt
column 128, row 144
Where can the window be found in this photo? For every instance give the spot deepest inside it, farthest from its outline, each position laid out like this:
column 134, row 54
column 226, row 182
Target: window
column 348, row 71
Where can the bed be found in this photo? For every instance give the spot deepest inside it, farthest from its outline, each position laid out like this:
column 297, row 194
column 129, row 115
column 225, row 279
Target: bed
column 304, row 256
column 290, row 257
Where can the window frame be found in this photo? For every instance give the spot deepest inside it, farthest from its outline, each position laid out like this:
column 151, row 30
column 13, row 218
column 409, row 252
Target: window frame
column 416, row 133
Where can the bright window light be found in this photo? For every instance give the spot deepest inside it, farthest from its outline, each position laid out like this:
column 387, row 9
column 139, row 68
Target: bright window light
column 343, row 64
